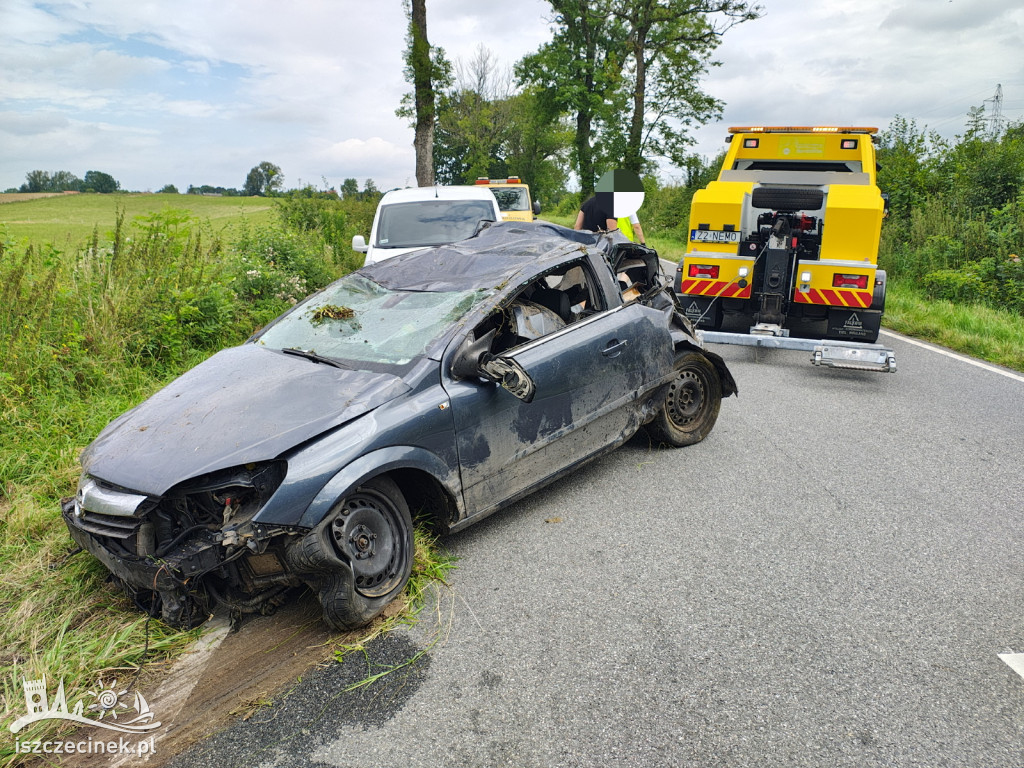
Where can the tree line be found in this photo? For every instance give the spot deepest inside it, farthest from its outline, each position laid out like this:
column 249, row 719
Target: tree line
column 264, row 180
column 617, row 86
column 65, row 181
column 956, row 224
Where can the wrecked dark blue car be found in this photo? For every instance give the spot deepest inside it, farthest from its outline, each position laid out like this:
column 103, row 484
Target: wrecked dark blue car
column 442, row 385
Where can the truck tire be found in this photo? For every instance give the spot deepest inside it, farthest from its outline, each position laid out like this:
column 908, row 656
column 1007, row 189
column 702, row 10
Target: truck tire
column 691, row 405
column 787, row 198
column 878, row 297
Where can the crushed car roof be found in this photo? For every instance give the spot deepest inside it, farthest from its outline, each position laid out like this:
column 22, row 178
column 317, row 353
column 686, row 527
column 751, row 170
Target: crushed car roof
column 500, row 252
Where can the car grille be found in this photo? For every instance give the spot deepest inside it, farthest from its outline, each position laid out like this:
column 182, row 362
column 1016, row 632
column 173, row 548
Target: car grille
column 113, row 526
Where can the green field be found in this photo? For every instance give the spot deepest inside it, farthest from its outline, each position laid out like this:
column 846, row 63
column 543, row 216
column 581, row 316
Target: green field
column 68, row 220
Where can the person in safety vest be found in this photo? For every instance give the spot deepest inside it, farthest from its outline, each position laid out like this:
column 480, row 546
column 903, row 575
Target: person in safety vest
column 630, row 227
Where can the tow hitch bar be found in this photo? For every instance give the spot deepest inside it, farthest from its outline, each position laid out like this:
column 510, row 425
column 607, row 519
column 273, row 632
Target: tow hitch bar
column 857, row 355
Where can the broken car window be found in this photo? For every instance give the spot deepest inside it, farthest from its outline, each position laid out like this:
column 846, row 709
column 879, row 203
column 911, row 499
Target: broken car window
column 547, row 304
column 533, row 321
column 358, row 321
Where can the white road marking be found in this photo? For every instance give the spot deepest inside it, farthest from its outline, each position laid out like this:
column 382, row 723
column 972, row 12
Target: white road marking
column 955, row 356
column 1015, row 660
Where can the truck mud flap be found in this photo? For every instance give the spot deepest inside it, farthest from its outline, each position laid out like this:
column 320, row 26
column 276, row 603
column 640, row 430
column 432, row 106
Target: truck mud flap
column 853, row 324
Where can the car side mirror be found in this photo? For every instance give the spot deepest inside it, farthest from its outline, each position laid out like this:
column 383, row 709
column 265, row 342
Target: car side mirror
column 466, row 364
column 359, row 243
column 474, row 360
column 511, row 375
column 536, row 207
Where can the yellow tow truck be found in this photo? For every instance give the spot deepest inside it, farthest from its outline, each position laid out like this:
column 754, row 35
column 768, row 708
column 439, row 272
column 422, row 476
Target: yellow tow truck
column 513, row 198
column 783, row 247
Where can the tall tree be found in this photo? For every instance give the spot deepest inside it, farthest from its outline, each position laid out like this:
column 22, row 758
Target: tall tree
column 420, row 69
column 474, row 121
column 58, row 181
column 36, row 181
column 485, row 128
column 538, row 145
column 628, row 70
column 429, row 71
column 670, row 42
column 581, row 68
column 349, row 189
column 98, row 181
column 263, row 179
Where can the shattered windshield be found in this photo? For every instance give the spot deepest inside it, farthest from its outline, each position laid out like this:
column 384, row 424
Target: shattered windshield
column 430, row 222
column 358, row 322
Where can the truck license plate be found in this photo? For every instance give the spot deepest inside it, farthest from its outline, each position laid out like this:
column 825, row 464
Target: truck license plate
column 714, row 236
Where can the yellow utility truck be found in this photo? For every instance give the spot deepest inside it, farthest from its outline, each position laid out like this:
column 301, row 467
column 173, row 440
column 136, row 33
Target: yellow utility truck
column 783, row 247
column 513, row 198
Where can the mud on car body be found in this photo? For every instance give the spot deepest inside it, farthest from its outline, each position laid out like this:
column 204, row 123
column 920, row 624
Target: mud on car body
column 445, row 383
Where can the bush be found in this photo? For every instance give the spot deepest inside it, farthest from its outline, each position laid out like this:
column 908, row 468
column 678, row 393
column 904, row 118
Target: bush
column 955, row 285
column 569, row 205
column 958, row 227
column 331, row 219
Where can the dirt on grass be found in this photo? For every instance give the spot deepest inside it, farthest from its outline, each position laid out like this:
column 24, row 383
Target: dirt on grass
column 227, row 675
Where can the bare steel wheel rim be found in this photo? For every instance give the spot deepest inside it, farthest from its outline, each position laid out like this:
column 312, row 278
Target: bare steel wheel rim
column 686, row 398
column 371, row 532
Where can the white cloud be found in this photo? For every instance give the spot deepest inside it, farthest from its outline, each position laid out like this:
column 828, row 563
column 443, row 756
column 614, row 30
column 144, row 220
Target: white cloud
column 31, row 123
column 199, row 92
column 384, row 161
column 833, row 63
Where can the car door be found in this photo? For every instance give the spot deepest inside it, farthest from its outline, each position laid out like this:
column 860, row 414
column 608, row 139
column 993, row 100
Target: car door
column 587, row 376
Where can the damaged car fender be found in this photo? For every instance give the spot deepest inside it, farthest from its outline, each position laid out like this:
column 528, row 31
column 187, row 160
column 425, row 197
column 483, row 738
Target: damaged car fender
column 684, row 341
column 378, row 463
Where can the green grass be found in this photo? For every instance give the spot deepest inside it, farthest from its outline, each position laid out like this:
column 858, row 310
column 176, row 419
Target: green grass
column 88, row 331
column 66, row 220
column 974, row 329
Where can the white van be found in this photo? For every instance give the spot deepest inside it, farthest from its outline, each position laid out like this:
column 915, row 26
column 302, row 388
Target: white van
column 421, row 217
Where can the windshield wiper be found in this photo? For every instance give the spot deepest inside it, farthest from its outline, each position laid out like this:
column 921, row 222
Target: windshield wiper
column 310, row 355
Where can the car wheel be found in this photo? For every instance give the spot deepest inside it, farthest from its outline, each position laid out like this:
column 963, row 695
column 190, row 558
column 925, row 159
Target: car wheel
column 372, row 531
column 691, row 404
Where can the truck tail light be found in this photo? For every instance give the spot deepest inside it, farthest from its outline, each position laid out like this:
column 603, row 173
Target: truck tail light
column 850, row 281
column 707, row 271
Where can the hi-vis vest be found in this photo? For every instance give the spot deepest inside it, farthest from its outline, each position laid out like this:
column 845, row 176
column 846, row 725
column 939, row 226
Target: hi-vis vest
column 626, row 228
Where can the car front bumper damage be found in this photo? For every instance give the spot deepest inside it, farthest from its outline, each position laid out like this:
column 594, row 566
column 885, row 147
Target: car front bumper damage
column 176, row 562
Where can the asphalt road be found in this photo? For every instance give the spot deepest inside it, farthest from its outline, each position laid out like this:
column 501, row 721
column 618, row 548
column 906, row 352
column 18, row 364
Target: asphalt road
column 825, row 581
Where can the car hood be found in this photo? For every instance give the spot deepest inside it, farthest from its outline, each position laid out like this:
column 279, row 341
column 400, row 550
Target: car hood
column 243, row 405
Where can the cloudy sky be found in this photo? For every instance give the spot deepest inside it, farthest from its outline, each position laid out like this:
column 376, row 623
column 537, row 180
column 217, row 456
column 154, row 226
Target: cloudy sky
column 156, row 92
